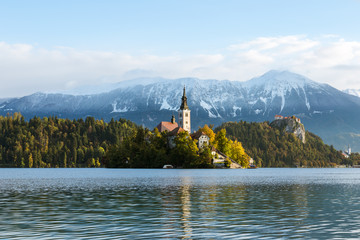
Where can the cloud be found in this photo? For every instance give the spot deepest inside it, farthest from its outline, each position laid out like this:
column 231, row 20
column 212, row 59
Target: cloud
column 25, row 68
column 277, row 45
column 327, row 59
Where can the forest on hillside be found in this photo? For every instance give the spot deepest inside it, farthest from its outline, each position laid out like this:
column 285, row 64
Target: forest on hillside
column 55, row 142
column 273, row 147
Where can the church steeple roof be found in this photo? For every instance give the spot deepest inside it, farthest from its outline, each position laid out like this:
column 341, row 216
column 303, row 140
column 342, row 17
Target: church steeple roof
column 184, row 105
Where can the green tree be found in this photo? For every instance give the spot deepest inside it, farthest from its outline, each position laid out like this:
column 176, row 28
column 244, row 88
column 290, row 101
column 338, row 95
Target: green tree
column 221, row 142
column 185, row 151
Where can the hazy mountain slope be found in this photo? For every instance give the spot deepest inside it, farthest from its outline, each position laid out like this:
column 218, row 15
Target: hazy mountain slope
column 354, row 92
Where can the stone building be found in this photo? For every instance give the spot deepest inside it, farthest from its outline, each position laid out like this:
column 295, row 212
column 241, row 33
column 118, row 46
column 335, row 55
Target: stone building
column 202, row 138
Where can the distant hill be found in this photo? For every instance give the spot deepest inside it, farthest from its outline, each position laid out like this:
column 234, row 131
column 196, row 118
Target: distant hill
column 324, row 110
column 272, row 146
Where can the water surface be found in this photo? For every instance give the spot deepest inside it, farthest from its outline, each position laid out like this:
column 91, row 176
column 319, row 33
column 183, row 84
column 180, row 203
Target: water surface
column 185, row 204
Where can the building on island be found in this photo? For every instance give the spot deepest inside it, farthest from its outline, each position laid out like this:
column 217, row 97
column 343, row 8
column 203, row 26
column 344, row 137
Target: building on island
column 167, row 126
column 280, row 117
column 172, row 128
column 202, row 138
column 184, row 114
column 347, row 152
column 184, row 118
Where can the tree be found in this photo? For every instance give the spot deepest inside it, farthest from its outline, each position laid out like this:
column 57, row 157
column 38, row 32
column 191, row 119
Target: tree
column 185, row 150
column 205, row 158
column 237, row 153
column 221, row 142
column 271, row 147
column 209, row 132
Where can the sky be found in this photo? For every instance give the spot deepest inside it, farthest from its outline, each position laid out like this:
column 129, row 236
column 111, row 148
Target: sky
column 59, row 45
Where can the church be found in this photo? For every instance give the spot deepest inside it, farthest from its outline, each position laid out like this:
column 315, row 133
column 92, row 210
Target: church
column 173, row 129
column 184, row 119
column 184, row 116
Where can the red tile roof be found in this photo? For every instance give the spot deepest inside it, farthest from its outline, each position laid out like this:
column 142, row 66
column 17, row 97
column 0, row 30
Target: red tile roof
column 176, row 131
column 166, row 126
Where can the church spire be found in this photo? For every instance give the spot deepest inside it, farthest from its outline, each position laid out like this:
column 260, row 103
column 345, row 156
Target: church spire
column 184, row 114
column 184, row 105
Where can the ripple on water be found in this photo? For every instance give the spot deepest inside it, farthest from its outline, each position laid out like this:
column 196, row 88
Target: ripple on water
column 190, row 204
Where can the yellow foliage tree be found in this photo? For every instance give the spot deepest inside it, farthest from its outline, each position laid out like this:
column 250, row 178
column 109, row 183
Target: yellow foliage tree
column 209, row 132
column 237, row 153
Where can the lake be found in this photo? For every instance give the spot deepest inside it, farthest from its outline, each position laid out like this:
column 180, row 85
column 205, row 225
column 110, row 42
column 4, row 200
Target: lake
column 179, row 203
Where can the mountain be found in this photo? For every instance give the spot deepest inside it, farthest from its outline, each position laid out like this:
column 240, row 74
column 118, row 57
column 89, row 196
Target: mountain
column 355, row 92
column 324, row 110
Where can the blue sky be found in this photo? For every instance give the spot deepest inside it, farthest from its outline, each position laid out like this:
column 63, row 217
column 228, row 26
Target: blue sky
column 50, row 45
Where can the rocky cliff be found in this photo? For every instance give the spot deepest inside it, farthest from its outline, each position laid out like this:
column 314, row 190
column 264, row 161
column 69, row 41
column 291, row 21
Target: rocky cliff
column 291, row 125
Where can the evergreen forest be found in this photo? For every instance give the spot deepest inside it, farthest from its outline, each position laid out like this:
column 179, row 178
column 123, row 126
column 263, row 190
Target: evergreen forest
column 273, row 147
column 54, row 142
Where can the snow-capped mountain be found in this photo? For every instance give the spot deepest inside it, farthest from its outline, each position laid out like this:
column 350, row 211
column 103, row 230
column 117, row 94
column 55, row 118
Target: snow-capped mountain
column 355, row 92
column 106, row 87
column 285, row 92
column 322, row 108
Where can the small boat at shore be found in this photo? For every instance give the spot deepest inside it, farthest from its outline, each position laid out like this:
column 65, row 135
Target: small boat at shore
column 252, row 167
column 168, row 166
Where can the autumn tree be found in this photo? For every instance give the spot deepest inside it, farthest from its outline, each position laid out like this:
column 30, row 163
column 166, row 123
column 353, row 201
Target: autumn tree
column 237, row 153
column 209, row 132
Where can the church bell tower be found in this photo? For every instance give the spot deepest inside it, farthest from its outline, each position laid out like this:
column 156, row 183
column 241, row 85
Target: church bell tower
column 184, row 114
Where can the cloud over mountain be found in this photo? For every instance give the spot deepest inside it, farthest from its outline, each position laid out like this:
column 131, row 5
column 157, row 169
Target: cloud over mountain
column 30, row 68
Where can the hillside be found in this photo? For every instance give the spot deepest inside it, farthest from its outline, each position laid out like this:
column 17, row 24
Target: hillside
column 55, row 142
column 273, row 147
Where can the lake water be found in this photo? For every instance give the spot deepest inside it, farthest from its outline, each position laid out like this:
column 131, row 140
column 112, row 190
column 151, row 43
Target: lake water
column 181, row 204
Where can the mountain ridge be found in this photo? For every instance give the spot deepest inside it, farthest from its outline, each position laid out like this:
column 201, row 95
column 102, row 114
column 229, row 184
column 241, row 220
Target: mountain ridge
column 323, row 109
column 354, row 92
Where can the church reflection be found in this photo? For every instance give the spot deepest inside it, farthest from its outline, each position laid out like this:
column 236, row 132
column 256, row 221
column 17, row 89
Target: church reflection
column 190, row 208
column 176, row 208
column 186, row 207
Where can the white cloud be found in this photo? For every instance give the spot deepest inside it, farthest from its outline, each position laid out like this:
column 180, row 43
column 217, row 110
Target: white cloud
column 25, row 69
column 282, row 45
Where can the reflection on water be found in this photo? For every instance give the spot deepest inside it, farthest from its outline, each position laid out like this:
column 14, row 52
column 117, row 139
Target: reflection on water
column 186, row 204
